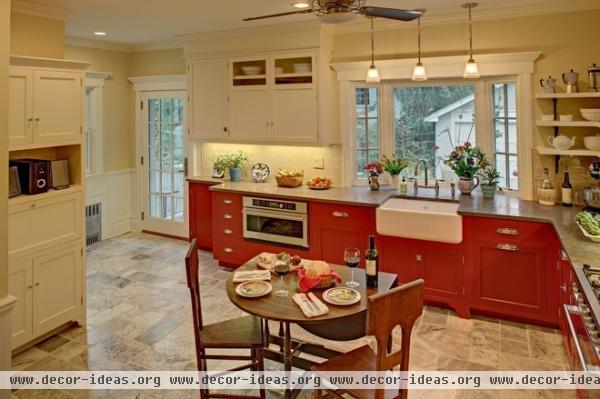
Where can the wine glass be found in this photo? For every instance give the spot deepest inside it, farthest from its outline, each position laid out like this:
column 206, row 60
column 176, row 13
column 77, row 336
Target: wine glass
column 282, row 269
column 352, row 259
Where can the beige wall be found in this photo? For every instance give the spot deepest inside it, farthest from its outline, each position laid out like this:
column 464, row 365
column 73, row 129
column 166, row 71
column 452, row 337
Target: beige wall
column 36, row 36
column 117, row 106
column 4, row 52
column 161, row 62
column 566, row 41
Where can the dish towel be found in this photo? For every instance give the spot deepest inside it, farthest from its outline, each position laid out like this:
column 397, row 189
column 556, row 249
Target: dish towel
column 312, row 308
column 247, row 275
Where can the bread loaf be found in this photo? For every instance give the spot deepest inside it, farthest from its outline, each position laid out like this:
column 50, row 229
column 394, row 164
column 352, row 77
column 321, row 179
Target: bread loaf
column 317, row 269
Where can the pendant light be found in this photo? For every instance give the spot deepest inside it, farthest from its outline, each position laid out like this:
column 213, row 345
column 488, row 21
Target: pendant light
column 471, row 68
column 373, row 73
column 419, row 73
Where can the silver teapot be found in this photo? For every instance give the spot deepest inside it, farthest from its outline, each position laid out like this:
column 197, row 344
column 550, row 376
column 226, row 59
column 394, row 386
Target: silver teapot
column 549, row 85
column 571, row 78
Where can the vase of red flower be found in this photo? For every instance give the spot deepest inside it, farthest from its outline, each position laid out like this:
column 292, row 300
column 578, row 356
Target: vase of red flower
column 374, row 169
column 466, row 161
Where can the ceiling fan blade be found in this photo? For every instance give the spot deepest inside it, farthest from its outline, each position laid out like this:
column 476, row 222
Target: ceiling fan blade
column 391, row 13
column 308, row 11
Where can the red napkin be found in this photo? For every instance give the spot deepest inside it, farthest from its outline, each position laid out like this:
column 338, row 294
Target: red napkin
column 306, row 283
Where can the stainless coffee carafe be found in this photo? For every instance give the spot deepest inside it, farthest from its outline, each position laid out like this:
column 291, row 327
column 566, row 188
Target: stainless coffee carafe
column 594, row 78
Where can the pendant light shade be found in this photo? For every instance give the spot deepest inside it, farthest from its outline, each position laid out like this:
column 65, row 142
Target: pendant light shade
column 471, row 67
column 373, row 73
column 419, row 73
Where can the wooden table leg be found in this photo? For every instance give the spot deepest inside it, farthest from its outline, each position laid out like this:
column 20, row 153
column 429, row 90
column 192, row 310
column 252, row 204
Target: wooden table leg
column 287, row 354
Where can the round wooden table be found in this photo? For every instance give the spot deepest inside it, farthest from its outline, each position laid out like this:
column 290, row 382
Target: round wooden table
column 341, row 323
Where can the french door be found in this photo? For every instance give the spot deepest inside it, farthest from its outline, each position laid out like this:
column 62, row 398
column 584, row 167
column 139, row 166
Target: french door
column 164, row 163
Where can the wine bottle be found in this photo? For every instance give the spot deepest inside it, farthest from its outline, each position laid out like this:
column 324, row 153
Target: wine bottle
column 567, row 191
column 372, row 263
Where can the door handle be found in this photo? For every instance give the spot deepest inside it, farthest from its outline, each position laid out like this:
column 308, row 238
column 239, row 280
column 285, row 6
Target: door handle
column 507, row 231
column 185, row 166
column 339, row 214
column 508, row 247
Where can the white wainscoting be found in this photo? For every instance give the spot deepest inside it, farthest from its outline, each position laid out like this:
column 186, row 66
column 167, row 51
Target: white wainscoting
column 117, row 194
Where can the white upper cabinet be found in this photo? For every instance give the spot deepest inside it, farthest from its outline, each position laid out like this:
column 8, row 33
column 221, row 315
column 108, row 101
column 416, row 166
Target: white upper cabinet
column 294, row 107
column 57, row 106
column 249, row 99
column 20, row 106
column 208, row 90
column 46, row 107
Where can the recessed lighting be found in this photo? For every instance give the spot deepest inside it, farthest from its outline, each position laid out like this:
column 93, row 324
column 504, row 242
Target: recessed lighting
column 301, row 4
column 100, row 33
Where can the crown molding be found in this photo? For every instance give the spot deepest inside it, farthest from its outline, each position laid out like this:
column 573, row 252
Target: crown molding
column 39, row 10
column 98, row 75
column 21, row 60
column 479, row 14
column 503, row 64
column 98, row 44
column 170, row 45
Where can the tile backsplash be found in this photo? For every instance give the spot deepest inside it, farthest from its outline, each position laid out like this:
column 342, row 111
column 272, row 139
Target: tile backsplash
column 279, row 157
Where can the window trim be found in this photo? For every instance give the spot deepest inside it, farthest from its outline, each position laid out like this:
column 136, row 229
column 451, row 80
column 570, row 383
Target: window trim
column 94, row 85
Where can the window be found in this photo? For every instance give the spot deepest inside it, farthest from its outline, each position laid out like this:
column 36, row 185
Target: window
column 88, row 131
column 367, row 129
column 427, row 121
column 505, row 134
column 430, row 121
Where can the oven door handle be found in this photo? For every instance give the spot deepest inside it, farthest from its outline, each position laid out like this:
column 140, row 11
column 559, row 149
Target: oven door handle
column 568, row 310
column 281, row 215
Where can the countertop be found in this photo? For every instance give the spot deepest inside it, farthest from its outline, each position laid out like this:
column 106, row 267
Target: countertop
column 578, row 247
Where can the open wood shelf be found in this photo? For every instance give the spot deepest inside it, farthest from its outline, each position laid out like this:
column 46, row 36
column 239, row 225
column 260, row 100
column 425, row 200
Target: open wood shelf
column 567, row 124
column 24, row 198
column 582, row 152
column 589, row 94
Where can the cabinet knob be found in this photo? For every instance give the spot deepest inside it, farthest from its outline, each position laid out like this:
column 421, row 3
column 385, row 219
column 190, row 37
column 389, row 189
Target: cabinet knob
column 37, row 284
column 227, row 216
column 228, row 250
column 29, row 286
column 508, row 247
column 227, row 202
column 228, row 231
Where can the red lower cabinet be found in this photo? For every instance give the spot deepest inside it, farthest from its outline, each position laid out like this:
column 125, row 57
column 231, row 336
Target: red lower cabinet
column 440, row 265
column 510, row 278
column 513, row 268
column 201, row 215
column 334, row 228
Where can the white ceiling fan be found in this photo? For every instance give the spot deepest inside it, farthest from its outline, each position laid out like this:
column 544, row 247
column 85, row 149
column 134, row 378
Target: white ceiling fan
column 340, row 11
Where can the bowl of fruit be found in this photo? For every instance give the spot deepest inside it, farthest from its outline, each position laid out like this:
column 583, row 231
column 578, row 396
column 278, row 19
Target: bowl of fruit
column 289, row 178
column 319, row 183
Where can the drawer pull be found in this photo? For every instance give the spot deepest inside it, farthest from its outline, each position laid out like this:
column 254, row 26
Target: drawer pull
column 228, row 250
column 339, row 214
column 507, row 247
column 228, row 231
column 227, row 216
column 227, row 202
column 563, row 255
column 507, row 231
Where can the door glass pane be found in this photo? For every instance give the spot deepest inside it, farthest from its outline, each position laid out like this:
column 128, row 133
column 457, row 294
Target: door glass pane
column 166, row 155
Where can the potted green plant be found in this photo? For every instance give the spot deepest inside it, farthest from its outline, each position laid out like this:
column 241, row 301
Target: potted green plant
column 394, row 166
column 466, row 161
column 232, row 162
column 490, row 177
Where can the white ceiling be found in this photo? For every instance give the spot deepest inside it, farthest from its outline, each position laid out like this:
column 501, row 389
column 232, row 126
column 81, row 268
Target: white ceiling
column 146, row 22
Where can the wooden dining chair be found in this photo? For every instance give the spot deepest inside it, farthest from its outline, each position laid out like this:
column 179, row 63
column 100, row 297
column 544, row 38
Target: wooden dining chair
column 399, row 306
column 242, row 333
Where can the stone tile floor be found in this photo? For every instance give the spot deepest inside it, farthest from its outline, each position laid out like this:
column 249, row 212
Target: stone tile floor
column 139, row 318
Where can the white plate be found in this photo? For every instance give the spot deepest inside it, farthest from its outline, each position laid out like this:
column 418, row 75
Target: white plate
column 588, row 235
column 259, row 288
column 331, row 296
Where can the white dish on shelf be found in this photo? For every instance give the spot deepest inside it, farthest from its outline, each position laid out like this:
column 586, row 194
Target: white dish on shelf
column 590, row 114
column 251, row 70
column 566, row 118
column 592, row 142
column 548, row 117
column 588, row 235
column 302, row 68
